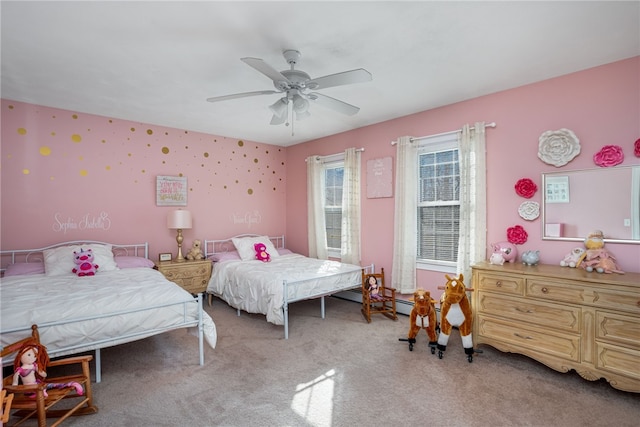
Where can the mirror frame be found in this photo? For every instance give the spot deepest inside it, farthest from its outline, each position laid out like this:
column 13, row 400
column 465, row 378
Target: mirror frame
column 543, row 207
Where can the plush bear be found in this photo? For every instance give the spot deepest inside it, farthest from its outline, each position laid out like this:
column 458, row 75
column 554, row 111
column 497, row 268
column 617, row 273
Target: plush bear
column 596, row 257
column 572, row 259
column 84, row 261
column 423, row 316
column 455, row 310
column 261, row 252
column 195, row 252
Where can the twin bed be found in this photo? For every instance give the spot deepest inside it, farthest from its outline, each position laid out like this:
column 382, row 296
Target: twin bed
column 126, row 300
column 268, row 288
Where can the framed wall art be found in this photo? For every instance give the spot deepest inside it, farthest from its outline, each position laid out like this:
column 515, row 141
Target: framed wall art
column 379, row 178
column 171, row 191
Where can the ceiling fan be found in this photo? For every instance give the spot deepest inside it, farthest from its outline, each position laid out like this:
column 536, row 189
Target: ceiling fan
column 295, row 85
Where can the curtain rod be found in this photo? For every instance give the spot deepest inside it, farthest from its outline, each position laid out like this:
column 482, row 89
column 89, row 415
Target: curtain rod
column 488, row 125
column 334, row 155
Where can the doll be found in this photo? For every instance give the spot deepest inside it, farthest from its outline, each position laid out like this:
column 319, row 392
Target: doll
column 27, row 366
column 374, row 289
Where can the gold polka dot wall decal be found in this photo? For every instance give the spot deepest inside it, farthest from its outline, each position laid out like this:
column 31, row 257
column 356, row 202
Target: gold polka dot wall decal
column 76, row 138
column 132, row 129
column 53, row 134
column 255, row 160
column 45, row 151
column 74, row 116
column 149, row 132
column 143, row 171
column 240, row 143
column 108, row 167
column 206, row 154
column 10, row 107
column 22, row 131
column 165, row 150
column 25, row 171
column 249, row 191
column 83, row 172
column 129, row 154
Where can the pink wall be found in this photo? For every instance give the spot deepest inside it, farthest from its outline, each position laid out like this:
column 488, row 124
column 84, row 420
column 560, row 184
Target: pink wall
column 601, row 105
column 68, row 176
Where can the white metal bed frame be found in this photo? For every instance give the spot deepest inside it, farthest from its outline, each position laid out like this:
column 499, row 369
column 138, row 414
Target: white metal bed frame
column 212, row 247
column 137, row 249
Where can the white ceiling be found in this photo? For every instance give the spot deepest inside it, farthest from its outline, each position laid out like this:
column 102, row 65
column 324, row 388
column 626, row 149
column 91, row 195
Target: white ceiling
column 157, row 62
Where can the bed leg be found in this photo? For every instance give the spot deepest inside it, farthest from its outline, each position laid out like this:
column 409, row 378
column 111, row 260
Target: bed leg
column 98, row 366
column 200, row 329
column 322, row 307
column 285, row 311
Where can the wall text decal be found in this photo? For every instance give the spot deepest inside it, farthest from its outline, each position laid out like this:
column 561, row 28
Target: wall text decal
column 86, row 222
column 248, row 218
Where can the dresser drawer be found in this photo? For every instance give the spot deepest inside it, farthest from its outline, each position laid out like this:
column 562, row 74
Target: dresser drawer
column 619, row 328
column 541, row 340
column 620, row 360
column 584, row 294
column 557, row 316
column 505, row 284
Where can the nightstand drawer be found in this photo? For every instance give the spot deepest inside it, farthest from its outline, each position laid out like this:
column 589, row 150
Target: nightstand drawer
column 192, row 276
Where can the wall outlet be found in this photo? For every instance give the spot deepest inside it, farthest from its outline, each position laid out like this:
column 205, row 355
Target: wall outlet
column 627, row 222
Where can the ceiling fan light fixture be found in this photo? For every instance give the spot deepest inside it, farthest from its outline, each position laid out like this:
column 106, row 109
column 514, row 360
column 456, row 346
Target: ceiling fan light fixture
column 279, row 108
column 301, row 115
column 300, row 105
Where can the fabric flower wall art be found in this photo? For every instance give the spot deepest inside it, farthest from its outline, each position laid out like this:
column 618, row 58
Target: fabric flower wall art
column 636, row 148
column 517, row 235
column 609, row 155
column 526, row 188
column 558, row 147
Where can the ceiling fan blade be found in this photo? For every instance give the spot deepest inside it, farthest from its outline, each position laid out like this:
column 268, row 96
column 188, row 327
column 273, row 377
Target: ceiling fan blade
column 334, row 104
column 241, row 95
column 265, row 69
column 359, row 75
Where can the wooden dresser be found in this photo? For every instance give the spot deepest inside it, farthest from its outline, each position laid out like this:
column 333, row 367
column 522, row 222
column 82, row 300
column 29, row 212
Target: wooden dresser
column 563, row 317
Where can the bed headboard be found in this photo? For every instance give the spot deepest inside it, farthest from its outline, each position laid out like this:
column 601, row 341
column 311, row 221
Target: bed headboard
column 226, row 245
column 34, row 255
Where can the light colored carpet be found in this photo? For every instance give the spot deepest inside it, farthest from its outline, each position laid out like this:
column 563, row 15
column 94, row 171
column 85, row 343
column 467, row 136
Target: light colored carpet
column 339, row 371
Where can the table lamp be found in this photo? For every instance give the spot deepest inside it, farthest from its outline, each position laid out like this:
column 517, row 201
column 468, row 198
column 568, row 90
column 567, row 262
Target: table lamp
column 179, row 220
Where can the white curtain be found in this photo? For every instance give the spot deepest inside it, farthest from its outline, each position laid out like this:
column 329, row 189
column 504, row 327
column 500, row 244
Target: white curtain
column 473, row 199
column 405, row 242
column 317, row 233
column 350, row 243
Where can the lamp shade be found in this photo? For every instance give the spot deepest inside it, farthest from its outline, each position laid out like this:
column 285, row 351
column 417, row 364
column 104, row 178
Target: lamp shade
column 179, row 220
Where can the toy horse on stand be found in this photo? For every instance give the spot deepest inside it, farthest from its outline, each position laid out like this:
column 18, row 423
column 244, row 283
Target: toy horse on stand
column 455, row 310
column 423, row 316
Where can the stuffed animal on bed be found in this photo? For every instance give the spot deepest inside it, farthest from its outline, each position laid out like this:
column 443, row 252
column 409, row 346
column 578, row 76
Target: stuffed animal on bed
column 261, row 252
column 84, row 261
column 423, row 316
column 195, row 252
column 29, row 365
column 455, row 310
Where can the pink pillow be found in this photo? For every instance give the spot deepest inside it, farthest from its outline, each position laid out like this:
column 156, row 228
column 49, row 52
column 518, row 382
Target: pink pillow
column 23, row 268
column 133, row 262
column 225, row 256
column 283, row 251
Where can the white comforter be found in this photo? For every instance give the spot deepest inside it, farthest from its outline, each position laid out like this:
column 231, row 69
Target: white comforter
column 40, row 299
column 257, row 287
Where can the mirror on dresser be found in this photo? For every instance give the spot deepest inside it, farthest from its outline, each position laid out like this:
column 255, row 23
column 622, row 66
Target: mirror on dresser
column 576, row 202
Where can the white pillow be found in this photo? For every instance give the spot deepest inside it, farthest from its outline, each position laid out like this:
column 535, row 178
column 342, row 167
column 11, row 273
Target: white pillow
column 59, row 261
column 244, row 246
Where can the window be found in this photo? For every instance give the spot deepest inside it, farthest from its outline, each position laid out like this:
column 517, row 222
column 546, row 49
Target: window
column 333, row 179
column 438, row 201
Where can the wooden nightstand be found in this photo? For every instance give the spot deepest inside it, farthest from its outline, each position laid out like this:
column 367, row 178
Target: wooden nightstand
column 192, row 276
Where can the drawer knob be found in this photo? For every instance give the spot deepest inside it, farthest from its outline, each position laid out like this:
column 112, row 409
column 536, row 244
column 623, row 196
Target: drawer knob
column 545, row 290
column 499, row 283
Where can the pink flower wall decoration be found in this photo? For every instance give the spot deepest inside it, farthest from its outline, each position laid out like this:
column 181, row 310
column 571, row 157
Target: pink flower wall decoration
column 636, row 148
column 517, row 235
column 526, row 188
column 609, row 155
